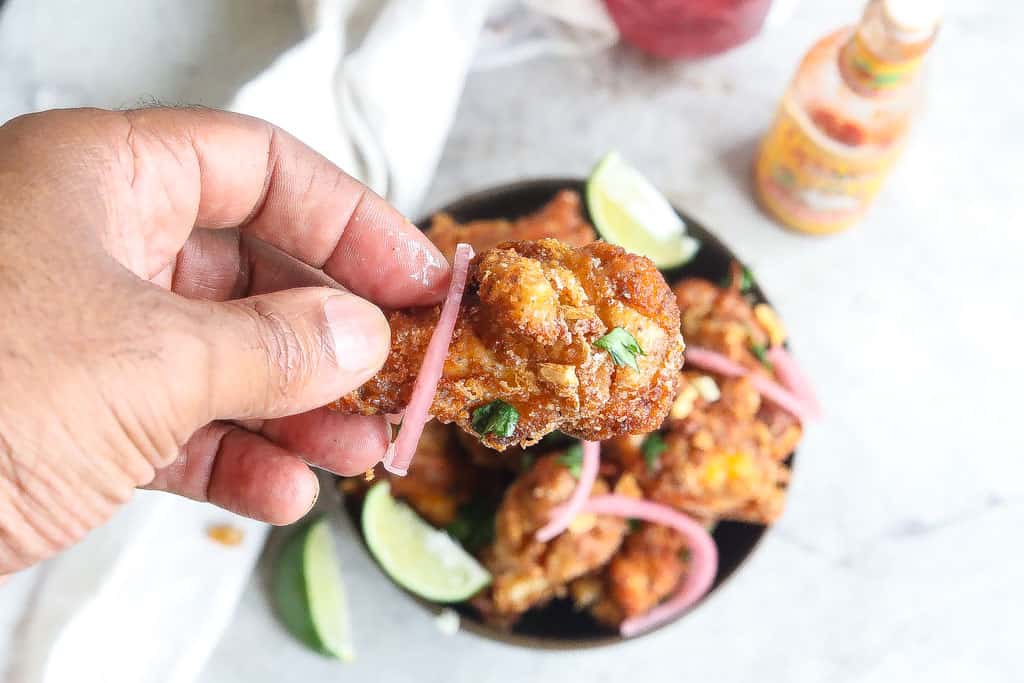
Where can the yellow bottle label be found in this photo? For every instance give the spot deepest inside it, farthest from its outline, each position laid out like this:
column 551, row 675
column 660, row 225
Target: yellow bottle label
column 866, row 72
column 811, row 187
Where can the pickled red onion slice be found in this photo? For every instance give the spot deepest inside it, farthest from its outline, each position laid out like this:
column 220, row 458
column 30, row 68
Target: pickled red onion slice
column 723, row 365
column 400, row 453
column 703, row 556
column 706, row 359
column 774, row 393
column 563, row 515
column 794, row 379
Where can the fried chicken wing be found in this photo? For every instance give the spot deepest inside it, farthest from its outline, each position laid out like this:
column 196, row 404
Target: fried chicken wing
column 561, row 219
column 526, row 335
column 528, row 572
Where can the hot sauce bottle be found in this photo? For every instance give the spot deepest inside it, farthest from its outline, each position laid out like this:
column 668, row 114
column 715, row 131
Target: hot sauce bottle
column 845, row 116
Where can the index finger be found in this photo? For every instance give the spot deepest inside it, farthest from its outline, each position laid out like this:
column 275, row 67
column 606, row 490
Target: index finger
column 252, row 175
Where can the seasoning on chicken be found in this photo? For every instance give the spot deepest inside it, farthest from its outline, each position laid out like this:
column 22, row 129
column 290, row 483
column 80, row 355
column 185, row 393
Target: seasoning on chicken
column 527, row 572
column 561, row 219
column 583, row 340
column 719, row 459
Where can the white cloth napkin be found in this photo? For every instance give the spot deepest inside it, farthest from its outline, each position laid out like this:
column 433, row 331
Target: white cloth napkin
column 144, row 599
column 382, row 109
column 374, row 87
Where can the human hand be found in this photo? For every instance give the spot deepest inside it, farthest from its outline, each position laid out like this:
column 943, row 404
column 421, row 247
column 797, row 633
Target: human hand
column 171, row 282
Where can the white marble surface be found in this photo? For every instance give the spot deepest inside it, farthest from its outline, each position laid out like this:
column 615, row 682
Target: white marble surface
column 897, row 558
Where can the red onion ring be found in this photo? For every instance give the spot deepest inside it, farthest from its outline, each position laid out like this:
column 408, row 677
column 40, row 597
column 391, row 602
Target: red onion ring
column 563, row 515
column 400, row 453
column 714, row 361
column 703, row 556
column 794, row 379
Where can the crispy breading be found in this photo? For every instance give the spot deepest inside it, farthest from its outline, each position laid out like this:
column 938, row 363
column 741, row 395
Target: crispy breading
column 722, row 460
column 561, row 218
column 647, row 569
column 526, row 334
column 721, row 319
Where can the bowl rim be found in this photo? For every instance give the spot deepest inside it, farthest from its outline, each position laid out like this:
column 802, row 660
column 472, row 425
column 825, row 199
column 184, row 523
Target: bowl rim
column 470, row 202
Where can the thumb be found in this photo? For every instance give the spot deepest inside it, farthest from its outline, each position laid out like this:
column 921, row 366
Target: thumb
column 289, row 351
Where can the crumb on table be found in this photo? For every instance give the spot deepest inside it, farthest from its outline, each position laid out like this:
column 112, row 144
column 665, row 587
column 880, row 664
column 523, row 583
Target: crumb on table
column 225, row 534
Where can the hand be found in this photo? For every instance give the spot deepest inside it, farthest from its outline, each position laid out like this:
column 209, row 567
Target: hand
column 181, row 291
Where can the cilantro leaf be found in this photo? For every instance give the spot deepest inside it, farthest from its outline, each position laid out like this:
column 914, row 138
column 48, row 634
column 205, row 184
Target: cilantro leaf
column 622, row 346
column 652, row 448
column 761, row 352
column 572, row 459
column 746, row 280
column 634, row 524
column 497, row 417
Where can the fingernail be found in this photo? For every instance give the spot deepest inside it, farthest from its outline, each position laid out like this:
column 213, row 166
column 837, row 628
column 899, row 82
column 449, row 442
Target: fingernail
column 360, row 332
column 316, row 494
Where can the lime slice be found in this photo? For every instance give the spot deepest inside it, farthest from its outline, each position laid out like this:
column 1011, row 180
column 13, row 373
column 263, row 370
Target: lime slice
column 420, row 558
column 629, row 211
column 309, row 594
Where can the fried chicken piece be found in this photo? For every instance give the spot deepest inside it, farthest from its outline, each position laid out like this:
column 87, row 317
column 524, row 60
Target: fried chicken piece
column 721, row 319
column 525, row 335
column 528, row 572
column 561, row 218
column 720, row 461
column 724, row 458
column 647, row 569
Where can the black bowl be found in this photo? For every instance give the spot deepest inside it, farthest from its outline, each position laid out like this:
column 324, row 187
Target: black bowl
column 557, row 625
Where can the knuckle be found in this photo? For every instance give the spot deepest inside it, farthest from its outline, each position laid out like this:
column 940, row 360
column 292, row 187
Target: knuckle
column 290, row 356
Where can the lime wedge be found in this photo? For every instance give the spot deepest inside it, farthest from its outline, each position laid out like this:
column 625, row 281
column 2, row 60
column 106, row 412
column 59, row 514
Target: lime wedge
column 309, row 594
column 420, row 558
column 629, row 211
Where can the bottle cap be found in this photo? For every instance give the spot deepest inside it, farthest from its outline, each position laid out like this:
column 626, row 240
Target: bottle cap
column 912, row 20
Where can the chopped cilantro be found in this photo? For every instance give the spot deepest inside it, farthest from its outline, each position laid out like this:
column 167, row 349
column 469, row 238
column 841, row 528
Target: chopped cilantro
column 622, row 346
column 652, row 448
column 572, row 459
column 634, row 524
column 497, row 417
column 746, row 280
column 761, row 352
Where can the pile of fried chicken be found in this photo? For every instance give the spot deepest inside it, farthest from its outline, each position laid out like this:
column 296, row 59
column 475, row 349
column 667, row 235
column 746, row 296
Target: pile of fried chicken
column 704, row 444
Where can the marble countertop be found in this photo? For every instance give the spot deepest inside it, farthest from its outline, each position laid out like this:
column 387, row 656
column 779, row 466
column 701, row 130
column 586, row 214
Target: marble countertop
column 896, row 559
